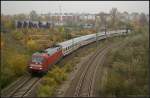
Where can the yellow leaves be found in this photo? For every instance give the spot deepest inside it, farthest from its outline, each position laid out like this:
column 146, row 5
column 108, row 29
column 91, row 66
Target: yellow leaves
column 86, row 31
column 51, row 81
column 2, row 43
column 6, row 22
column 61, row 29
column 68, row 67
column 58, row 74
column 17, row 63
column 45, row 91
column 48, row 87
column 17, row 35
column 31, row 44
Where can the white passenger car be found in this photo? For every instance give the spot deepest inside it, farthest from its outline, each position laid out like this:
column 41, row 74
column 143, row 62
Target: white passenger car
column 74, row 43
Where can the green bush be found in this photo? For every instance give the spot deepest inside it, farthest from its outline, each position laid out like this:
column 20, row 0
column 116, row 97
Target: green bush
column 45, row 90
column 47, row 87
column 58, row 74
column 7, row 76
column 13, row 65
column 32, row 45
column 51, row 81
column 68, row 67
column 18, row 64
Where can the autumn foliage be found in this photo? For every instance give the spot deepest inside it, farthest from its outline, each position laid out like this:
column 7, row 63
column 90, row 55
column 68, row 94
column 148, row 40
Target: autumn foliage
column 128, row 69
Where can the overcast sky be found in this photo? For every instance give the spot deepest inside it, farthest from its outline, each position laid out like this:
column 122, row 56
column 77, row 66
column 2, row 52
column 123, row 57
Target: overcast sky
column 41, row 7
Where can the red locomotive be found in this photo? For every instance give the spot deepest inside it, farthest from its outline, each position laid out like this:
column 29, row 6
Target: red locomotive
column 43, row 61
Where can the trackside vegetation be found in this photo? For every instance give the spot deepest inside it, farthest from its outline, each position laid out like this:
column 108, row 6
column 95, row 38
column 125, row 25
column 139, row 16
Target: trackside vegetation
column 127, row 67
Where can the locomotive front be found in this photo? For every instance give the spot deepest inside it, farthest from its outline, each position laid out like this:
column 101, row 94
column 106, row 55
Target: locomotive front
column 42, row 61
column 38, row 62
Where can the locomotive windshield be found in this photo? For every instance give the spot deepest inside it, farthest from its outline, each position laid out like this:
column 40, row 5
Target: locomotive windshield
column 37, row 59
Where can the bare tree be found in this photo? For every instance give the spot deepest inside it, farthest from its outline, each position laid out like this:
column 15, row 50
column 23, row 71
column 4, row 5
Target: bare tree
column 102, row 19
column 123, row 20
column 114, row 17
column 97, row 23
column 33, row 15
column 143, row 20
column 134, row 17
column 20, row 17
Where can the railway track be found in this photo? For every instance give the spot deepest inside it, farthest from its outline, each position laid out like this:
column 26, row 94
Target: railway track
column 84, row 83
column 22, row 87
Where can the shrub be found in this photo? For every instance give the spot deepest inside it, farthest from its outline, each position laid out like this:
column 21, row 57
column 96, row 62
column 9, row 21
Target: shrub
column 2, row 43
column 68, row 67
column 13, row 65
column 51, row 81
column 17, row 35
column 45, row 90
column 58, row 74
column 128, row 73
column 7, row 23
column 32, row 45
column 7, row 76
column 115, row 84
column 17, row 63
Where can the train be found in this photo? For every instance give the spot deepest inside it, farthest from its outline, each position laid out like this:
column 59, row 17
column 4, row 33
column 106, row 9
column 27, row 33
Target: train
column 43, row 60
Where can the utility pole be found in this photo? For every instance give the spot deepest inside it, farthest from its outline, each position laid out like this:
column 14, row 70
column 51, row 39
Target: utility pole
column 73, row 43
column 126, row 29
column 60, row 14
column 67, row 33
column 128, row 24
column 96, row 27
column 105, row 26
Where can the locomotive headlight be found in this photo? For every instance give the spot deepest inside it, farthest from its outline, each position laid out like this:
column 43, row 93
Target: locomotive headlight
column 40, row 68
column 30, row 66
